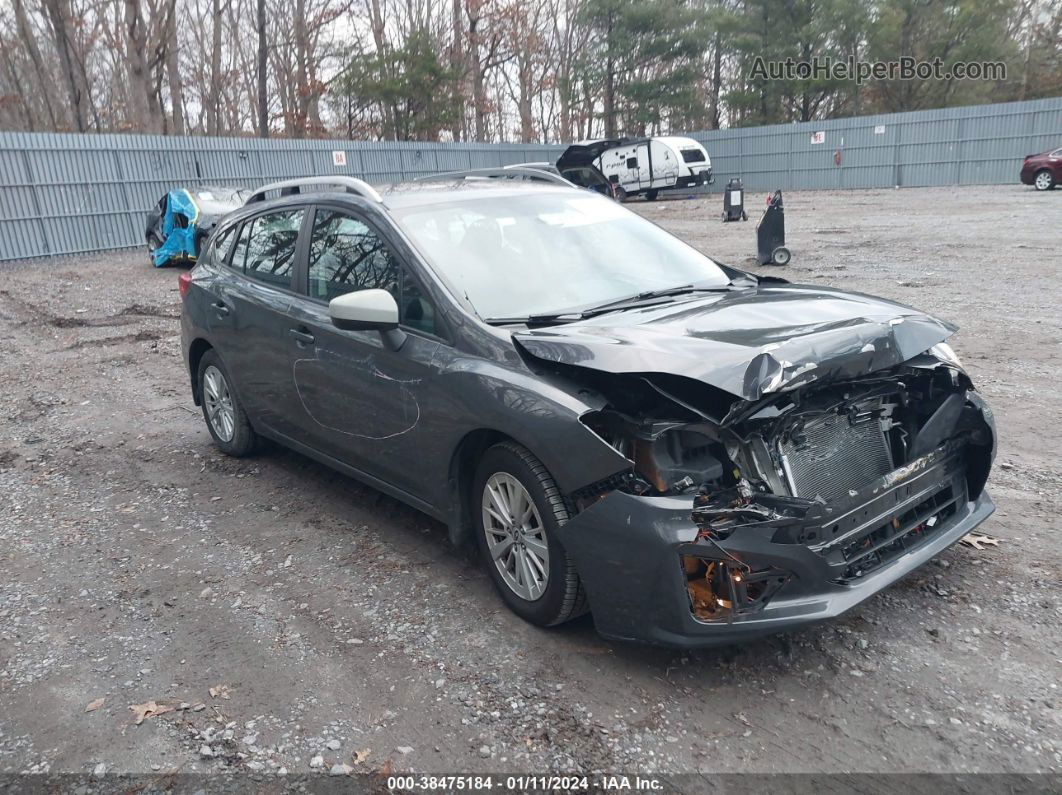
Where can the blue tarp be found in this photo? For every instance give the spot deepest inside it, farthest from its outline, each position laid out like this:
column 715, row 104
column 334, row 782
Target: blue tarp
column 178, row 234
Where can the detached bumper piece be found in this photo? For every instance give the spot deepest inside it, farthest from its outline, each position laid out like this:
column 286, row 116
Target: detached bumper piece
column 656, row 573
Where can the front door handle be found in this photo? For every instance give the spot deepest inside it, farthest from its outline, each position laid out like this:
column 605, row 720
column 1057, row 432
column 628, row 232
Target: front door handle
column 221, row 308
column 302, row 337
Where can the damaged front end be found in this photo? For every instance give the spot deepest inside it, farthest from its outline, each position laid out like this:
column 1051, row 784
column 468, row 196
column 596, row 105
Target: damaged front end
column 758, row 515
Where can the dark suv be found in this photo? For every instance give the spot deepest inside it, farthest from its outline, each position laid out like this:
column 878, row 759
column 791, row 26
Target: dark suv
column 619, row 423
column 1044, row 170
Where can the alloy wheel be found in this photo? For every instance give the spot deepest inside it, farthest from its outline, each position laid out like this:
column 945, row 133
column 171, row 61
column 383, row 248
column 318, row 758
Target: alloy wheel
column 1043, row 181
column 516, row 536
column 220, row 411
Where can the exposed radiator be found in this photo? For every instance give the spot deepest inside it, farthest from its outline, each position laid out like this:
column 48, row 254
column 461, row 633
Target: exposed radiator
column 836, row 456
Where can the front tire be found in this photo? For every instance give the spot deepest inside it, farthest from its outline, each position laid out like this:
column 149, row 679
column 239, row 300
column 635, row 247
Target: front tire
column 518, row 510
column 153, row 243
column 225, row 418
column 1044, row 180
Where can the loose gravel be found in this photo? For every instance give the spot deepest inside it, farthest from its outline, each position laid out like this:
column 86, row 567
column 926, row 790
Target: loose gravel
column 285, row 619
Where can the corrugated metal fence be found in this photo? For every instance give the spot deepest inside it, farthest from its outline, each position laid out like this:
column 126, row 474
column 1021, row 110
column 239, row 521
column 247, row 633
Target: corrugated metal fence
column 977, row 145
column 71, row 194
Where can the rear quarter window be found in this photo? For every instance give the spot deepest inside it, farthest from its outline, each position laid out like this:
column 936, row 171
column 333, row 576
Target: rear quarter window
column 222, row 245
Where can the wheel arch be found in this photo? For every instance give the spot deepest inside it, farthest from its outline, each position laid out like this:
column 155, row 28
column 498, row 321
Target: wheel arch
column 461, row 473
column 196, row 351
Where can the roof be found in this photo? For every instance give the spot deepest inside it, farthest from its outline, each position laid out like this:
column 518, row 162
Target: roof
column 417, row 194
column 404, row 194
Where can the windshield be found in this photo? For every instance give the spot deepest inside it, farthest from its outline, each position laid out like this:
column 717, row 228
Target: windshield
column 543, row 253
column 224, row 195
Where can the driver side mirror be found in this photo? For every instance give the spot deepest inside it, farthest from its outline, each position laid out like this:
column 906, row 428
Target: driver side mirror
column 374, row 310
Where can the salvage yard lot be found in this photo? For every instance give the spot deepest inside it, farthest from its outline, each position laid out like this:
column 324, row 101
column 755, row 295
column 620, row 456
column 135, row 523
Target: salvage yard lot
column 314, row 616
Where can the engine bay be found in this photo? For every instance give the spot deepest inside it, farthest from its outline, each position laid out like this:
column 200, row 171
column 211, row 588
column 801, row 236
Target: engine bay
column 786, row 461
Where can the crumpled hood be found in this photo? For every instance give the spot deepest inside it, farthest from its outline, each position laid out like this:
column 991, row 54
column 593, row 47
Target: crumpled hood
column 748, row 342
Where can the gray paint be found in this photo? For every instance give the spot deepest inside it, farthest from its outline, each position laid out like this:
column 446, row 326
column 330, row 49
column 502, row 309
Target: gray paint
column 71, row 194
column 748, row 342
column 397, row 415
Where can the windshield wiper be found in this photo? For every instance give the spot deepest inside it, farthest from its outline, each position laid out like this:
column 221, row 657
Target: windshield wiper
column 535, row 320
column 647, row 295
column 636, row 301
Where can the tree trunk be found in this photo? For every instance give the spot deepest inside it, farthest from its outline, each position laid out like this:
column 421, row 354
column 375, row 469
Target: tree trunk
column 479, row 92
column 139, row 78
column 610, row 82
column 59, row 19
column 213, row 110
column 527, row 122
column 25, row 32
column 457, row 65
column 717, row 81
column 263, row 63
column 20, row 86
column 173, row 73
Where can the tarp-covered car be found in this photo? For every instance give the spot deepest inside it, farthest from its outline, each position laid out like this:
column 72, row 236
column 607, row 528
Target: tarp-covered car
column 185, row 217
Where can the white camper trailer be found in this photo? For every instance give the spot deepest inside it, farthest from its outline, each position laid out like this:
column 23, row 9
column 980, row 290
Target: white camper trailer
column 647, row 165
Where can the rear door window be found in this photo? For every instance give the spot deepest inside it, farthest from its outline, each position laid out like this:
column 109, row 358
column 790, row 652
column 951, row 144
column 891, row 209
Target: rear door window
column 265, row 250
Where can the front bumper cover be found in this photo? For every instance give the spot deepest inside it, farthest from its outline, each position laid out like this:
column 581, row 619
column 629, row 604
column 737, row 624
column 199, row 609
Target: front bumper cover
column 628, row 551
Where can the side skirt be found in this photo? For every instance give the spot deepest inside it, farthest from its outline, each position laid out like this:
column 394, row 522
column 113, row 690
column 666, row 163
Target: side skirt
column 357, row 474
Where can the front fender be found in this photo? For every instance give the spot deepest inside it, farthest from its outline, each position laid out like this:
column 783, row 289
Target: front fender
column 540, row 414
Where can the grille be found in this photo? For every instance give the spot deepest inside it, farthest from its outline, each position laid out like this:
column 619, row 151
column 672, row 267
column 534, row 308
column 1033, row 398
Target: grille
column 884, row 544
column 836, row 456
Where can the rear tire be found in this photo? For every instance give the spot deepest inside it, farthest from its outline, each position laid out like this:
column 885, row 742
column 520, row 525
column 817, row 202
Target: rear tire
column 781, row 256
column 225, row 418
column 1044, row 180
column 153, row 243
column 507, row 541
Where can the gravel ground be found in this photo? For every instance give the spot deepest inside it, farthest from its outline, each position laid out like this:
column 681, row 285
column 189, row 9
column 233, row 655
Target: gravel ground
column 293, row 619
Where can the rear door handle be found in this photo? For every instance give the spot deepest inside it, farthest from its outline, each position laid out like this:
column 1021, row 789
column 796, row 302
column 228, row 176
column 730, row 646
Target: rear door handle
column 302, row 337
column 221, row 308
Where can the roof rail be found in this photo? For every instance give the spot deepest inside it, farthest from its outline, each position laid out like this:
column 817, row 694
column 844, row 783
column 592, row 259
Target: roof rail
column 508, row 172
column 288, row 187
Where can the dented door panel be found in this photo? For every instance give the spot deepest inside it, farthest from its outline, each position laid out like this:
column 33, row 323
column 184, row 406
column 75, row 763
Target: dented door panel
column 358, row 399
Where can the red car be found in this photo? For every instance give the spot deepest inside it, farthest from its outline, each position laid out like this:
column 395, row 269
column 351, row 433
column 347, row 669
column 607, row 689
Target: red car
column 1043, row 170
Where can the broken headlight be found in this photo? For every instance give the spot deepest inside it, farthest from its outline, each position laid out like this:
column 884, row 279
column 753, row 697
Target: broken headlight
column 944, row 352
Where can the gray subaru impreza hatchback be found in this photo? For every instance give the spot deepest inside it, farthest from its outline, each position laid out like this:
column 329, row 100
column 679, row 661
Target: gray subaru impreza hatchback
column 622, row 425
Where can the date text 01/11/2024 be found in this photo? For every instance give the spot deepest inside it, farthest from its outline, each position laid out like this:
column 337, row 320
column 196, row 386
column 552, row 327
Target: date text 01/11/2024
column 522, row 783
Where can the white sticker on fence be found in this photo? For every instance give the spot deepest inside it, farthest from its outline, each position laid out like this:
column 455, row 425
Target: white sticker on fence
column 818, row 137
column 879, row 130
column 339, row 158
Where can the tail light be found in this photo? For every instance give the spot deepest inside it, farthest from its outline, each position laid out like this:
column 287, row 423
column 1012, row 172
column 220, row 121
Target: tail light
column 184, row 281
